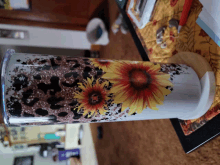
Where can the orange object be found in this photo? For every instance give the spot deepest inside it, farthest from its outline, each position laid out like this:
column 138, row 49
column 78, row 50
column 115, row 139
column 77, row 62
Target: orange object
column 95, row 47
column 185, row 12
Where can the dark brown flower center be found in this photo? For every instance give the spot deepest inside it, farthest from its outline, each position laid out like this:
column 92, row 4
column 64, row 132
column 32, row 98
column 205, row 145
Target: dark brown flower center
column 139, row 79
column 95, row 98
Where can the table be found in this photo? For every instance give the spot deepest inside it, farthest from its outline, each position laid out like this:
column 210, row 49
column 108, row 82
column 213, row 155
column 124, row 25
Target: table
column 193, row 39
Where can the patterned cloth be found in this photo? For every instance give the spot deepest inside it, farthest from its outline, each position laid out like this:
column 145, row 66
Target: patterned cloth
column 191, row 38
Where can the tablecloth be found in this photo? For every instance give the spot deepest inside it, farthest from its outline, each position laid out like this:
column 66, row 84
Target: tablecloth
column 191, row 38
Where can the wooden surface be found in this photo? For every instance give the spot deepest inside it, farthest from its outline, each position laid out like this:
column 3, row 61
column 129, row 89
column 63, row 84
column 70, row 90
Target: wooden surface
column 62, row 14
column 120, row 47
column 199, row 64
column 74, row 161
column 87, row 149
column 150, row 142
column 72, row 136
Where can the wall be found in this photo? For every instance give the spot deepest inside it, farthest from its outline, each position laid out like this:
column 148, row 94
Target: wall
column 87, row 150
column 48, row 37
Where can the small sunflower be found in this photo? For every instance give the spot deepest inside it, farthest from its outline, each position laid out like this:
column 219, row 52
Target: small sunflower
column 101, row 63
column 137, row 85
column 92, row 98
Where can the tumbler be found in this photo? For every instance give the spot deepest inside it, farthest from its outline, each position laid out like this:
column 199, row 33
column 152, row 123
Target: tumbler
column 48, row 89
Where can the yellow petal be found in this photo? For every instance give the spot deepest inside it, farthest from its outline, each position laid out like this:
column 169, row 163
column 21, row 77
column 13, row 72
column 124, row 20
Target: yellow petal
column 124, row 106
column 120, row 97
column 140, row 105
column 116, row 89
column 93, row 113
column 103, row 84
column 85, row 112
column 163, row 76
column 89, row 82
column 155, row 67
column 164, row 90
column 152, row 103
column 104, row 68
column 88, row 85
column 146, row 63
column 79, row 107
column 90, row 114
column 78, row 96
column 159, row 94
column 158, row 100
column 81, row 86
column 76, row 109
column 131, row 111
column 164, row 82
column 102, row 111
column 133, row 108
column 110, row 75
column 155, row 108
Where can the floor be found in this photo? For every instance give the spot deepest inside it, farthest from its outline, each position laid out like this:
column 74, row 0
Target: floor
column 121, row 47
column 150, row 142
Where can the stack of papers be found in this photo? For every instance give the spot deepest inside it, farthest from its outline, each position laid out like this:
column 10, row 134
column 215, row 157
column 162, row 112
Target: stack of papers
column 209, row 19
column 140, row 11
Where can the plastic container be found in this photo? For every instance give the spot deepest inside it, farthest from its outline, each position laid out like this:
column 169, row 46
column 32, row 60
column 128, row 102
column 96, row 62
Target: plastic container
column 96, row 32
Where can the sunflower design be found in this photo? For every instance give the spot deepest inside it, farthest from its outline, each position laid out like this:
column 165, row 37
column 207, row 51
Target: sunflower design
column 137, row 85
column 93, row 97
column 101, row 63
column 173, row 2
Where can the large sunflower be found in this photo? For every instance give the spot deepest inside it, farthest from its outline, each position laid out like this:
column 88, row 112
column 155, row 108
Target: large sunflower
column 101, row 63
column 137, row 85
column 92, row 98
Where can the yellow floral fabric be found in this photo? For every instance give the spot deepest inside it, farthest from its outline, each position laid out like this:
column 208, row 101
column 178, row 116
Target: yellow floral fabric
column 191, row 38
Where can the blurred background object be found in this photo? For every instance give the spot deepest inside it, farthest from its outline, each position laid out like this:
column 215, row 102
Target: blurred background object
column 49, row 27
column 16, row 4
column 74, row 161
column 75, row 140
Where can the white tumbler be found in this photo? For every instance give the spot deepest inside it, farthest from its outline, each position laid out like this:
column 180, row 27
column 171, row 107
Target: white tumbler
column 47, row 89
